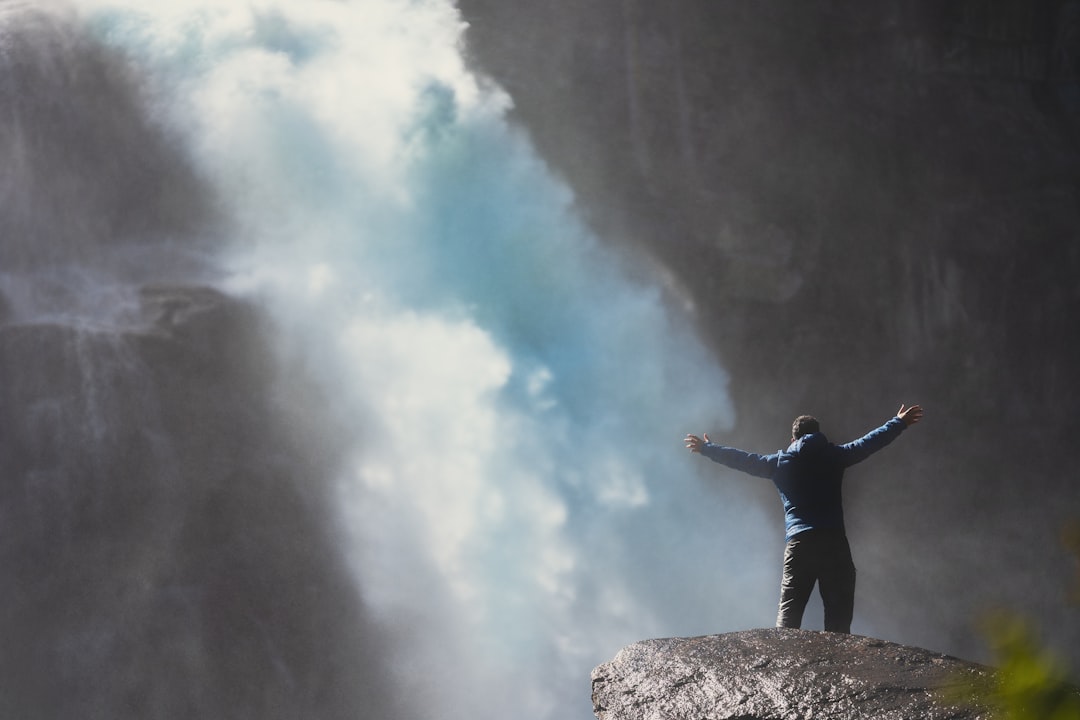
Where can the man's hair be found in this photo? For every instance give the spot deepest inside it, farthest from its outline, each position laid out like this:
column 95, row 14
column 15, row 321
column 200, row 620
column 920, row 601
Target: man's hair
column 804, row 425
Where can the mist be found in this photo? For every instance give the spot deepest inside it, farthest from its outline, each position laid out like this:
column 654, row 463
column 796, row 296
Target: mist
column 502, row 392
column 346, row 362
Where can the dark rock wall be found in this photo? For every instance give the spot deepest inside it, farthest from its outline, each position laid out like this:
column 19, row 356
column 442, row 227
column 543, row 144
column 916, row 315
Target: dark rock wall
column 86, row 165
column 164, row 544
column 863, row 204
column 165, row 548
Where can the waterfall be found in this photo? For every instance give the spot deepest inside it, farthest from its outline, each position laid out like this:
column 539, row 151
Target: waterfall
column 512, row 500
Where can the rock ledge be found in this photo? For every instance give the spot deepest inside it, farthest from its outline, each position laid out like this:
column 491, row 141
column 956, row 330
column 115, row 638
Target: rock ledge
column 779, row 674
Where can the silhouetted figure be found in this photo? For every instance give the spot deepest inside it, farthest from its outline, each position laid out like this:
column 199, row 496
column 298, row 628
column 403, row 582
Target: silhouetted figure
column 809, row 475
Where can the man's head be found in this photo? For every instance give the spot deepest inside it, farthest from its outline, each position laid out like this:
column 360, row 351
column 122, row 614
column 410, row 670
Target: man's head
column 804, row 425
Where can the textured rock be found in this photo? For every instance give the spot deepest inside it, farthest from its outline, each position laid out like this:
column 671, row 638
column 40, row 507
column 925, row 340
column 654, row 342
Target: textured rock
column 166, row 549
column 778, row 674
column 164, row 545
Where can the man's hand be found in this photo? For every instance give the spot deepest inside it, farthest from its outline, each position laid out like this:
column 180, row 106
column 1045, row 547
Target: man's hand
column 910, row 415
column 694, row 443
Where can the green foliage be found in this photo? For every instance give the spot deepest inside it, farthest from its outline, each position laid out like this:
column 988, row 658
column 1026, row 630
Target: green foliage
column 1030, row 684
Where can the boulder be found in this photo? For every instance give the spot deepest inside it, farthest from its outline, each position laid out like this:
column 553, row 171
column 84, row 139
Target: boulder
column 782, row 674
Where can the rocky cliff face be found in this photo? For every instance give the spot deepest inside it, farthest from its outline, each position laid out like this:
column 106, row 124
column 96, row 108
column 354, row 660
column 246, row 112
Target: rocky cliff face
column 862, row 204
column 780, row 674
column 164, row 546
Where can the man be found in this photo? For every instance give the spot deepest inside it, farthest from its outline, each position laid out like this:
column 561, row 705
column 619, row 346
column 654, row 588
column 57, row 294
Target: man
column 809, row 475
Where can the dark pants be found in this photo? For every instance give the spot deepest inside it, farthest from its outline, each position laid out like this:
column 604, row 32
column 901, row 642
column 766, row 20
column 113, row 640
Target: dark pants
column 824, row 557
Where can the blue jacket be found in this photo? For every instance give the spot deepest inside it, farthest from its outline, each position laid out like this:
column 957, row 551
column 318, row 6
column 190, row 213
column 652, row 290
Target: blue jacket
column 809, row 473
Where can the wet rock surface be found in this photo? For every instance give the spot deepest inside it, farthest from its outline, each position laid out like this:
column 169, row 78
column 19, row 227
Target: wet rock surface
column 779, row 674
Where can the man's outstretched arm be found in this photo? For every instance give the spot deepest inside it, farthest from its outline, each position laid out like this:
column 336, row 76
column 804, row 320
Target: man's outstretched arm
column 752, row 463
column 858, row 450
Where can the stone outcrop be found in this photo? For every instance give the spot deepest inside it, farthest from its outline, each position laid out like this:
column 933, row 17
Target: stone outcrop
column 781, row 674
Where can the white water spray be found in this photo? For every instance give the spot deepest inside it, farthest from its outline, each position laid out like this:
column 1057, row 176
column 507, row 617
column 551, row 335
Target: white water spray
column 518, row 504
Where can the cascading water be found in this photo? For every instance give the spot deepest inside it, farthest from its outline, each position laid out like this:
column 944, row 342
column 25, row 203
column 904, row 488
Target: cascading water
column 513, row 500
